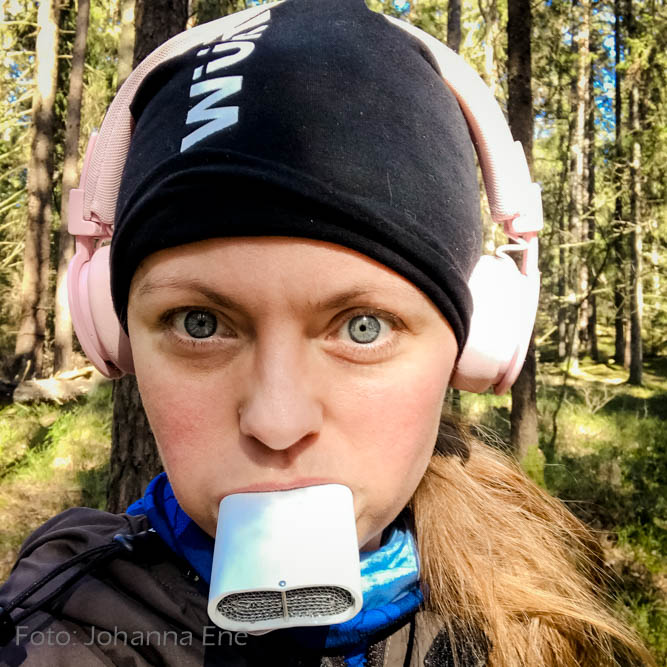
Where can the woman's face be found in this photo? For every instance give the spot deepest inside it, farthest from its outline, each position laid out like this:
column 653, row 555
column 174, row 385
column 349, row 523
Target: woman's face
column 274, row 363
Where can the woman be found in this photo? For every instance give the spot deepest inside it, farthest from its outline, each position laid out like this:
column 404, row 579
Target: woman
column 294, row 233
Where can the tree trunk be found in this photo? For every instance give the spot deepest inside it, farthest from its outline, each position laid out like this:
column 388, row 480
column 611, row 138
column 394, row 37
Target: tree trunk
column 454, row 25
column 155, row 22
column 523, row 416
column 35, row 286
column 656, row 340
column 561, row 235
column 134, row 458
column 619, row 255
column 635, row 239
column 591, row 324
column 62, row 350
column 577, row 173
column 126, row 42
column 636, row 291
column 619, row 306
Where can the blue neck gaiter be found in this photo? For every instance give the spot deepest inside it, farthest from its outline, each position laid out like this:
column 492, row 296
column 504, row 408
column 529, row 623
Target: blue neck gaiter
column 389, row 575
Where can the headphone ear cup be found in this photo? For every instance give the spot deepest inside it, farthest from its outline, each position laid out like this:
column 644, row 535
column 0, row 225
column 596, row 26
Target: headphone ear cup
column 504, row 307
column 115, row 344
column 99, row 332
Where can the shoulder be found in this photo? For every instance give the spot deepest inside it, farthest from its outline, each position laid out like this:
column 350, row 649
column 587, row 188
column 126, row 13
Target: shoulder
column 81, row 528
column 68, row 534
column 95, row 618
column 92, row 527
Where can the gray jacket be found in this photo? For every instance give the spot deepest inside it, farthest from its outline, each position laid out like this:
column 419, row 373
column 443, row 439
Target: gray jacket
column 149, row 608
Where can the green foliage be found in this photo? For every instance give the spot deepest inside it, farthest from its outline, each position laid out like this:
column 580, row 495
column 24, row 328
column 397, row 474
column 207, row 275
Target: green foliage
column 22, row 432
column 100, row 73
column 610, row 468
column 533, row 465
column 51, row 458
column 209, row 10
column 640, row 588
column 643, row 64
column 34, row 437
column 622, row 484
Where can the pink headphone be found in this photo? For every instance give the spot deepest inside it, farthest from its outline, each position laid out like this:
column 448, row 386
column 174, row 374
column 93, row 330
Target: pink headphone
column 504, row 296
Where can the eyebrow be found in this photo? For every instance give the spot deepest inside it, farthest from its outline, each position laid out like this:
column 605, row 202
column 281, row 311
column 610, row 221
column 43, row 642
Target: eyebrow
column 188, row 285
column 337, row 300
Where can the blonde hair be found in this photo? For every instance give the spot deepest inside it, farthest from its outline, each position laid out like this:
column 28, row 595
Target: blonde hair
column 500, row 555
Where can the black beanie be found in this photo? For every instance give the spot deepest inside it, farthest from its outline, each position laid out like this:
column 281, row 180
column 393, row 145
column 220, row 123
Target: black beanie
column 319, row 120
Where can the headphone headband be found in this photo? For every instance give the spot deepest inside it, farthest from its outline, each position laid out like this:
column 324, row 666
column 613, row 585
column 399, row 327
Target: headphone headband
column 504, row 299
column 514, row 200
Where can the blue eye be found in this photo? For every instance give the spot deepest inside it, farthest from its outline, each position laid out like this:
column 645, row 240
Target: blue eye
column 200, row 323
column 364, row 329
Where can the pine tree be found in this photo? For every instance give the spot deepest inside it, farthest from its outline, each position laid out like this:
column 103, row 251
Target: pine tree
column 635, row 236
column 31, row 336
column 62, row 349
column 523, row 417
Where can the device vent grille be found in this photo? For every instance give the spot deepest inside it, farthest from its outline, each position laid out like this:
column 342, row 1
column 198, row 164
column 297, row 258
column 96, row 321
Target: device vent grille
column 318, row 601
column 311, row 602
column 252, row 607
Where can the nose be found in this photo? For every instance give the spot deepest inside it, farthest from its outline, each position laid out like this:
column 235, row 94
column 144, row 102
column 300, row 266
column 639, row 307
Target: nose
column 281, row 407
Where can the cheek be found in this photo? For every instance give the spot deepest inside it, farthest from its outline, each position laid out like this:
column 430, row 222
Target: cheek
column 393, row 421
column 420, row 394
column 412, row 412
column 186, row 418
column 393, row 434
column 412, row 399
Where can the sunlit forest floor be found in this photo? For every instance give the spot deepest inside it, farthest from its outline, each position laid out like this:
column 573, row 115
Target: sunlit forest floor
column 607, row 461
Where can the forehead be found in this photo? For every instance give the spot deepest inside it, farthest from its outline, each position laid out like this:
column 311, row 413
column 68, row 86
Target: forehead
column 243, row 266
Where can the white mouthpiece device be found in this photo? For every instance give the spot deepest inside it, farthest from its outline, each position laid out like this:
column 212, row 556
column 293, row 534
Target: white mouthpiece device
column 284, row 559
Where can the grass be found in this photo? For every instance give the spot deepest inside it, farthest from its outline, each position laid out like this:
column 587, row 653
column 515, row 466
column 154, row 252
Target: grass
column 608, row 463
column 51, row 458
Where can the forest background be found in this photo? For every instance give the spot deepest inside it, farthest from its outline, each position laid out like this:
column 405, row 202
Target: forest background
column 583, row 85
